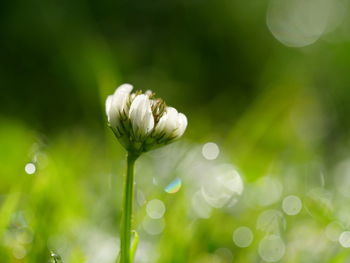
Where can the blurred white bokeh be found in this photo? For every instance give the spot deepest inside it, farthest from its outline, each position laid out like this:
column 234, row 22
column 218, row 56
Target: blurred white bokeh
column 298, row 23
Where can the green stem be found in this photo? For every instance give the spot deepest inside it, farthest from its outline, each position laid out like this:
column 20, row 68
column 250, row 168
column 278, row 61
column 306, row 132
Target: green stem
column 125, row 235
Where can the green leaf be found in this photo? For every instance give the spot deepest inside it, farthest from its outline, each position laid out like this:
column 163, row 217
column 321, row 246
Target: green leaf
column 134, row 245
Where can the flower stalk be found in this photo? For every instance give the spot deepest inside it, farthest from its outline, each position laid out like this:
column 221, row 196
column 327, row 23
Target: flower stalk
column 128, row 198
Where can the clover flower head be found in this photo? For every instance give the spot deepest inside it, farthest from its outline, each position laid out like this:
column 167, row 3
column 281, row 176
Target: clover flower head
column 141, row 121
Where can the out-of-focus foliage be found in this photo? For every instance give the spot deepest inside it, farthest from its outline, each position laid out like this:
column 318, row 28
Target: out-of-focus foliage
column 266, row 83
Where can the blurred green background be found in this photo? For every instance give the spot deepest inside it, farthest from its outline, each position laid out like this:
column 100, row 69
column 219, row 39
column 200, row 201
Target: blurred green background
column 262, row 173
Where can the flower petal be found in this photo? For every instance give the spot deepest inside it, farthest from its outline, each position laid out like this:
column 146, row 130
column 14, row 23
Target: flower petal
column 181, row 125
column 167, row 123
column 118, row 104
column 108, row 105
column 141, row 116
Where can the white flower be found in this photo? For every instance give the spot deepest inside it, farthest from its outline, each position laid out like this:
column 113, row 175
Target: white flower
column 141, row 116
column 142, row 122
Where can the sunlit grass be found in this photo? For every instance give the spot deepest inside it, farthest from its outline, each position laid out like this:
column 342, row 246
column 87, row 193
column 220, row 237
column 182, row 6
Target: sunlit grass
column 70, row 205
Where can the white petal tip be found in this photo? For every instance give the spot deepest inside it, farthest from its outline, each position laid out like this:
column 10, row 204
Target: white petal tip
column 126, row 87
column 108, row 105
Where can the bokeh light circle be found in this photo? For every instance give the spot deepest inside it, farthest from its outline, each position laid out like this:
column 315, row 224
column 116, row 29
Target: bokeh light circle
column 210, row 151
column 291, row 205
column 272, row 248
column 344, row 239
column 155, row 209
column 222, row 187
column 30, row 168
column 153, row 226
column 298, row 23
column 243, row 236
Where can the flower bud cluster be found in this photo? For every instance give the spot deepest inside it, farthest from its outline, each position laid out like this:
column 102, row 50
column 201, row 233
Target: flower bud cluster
column 142, row 122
